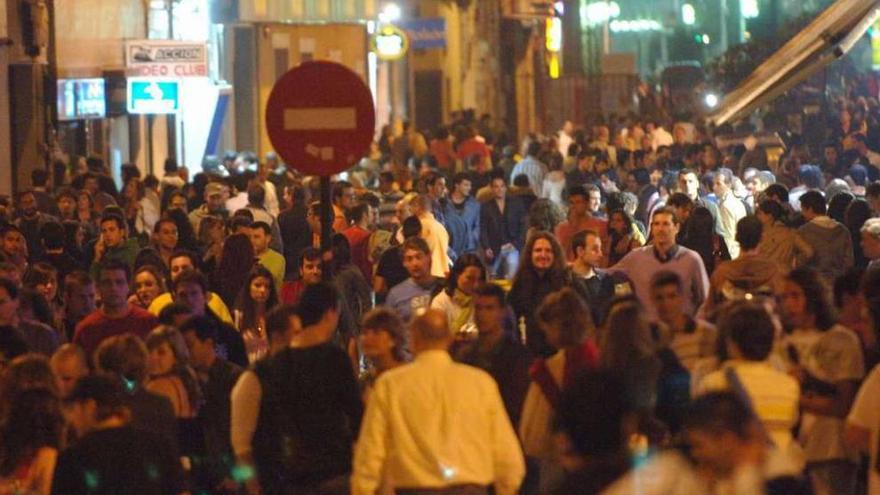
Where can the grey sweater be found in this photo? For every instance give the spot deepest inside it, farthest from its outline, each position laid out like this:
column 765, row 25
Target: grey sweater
column 832, row 246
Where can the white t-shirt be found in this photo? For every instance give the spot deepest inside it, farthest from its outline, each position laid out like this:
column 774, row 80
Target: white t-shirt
column 865, row 413
column 835, row 357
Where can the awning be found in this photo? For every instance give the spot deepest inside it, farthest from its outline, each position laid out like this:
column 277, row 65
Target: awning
column 830, row 36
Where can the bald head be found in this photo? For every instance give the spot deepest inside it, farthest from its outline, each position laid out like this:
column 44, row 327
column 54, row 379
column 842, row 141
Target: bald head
column 430, row 331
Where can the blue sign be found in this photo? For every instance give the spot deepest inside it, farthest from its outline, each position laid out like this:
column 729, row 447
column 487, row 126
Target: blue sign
column 425, row 33
column 153, row 96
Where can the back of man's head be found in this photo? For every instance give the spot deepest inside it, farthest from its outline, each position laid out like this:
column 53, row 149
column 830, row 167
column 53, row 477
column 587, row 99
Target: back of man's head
column 814, row 201
column 719, row 413
column 52, row 235
column 412, row 227
column 748, row 232
column 430, row 330
column 203, row 327
column 124, row 356
column 750, row 328
column 316, row 301
column 106, row 391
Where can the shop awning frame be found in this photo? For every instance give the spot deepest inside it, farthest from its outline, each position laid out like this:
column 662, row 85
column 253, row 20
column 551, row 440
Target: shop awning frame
column 829, row 37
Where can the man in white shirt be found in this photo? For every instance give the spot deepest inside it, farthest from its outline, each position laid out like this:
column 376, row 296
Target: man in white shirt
column 434, row 233
column 436, row 425
column 730, row 209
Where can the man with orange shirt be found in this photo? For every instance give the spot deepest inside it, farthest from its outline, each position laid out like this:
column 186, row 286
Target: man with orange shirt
column 579, row 219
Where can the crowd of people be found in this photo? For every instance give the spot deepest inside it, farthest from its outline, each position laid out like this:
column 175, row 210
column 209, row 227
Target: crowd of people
column 615, row 308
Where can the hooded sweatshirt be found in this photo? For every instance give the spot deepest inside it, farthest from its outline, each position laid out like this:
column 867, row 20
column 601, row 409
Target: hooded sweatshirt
column 832, row 246
column 750, row 273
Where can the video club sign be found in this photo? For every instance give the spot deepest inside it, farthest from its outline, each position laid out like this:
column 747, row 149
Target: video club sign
column 166, row 58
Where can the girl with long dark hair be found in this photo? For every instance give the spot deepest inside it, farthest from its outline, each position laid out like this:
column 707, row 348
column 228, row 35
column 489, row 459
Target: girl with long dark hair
column 256, row 297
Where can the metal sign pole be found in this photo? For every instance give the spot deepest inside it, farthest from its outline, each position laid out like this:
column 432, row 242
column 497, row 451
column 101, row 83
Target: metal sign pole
column 326, row 220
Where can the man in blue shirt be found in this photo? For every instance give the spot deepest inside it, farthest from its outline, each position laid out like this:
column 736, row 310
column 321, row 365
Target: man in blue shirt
column 531, row 167
column 412, row 296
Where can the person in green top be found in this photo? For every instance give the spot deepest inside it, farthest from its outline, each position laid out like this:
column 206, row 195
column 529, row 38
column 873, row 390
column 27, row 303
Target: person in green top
column 113, row 243
column 261, row 237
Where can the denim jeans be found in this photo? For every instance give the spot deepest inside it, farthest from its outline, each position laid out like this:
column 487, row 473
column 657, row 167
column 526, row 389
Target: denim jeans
column 505, row 263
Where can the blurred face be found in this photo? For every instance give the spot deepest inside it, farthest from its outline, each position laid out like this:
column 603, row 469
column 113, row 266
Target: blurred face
column 830, row 155
column 66, row 205
column 146, row 287
column 215, row 202
column 792, row 303
column 376, row 343
column 664, row 230
column 179, row 264
column 690, row 185
column 712, row 450
column 161, row 360
column 499, row 188
column 591, row 253
column 179, row 202
column 49, row 289
column 464, row 188
column 112, row 234
column 67, row 372
column 113, row 287
column 578, row 205
column 260, row 240
column 83, row 202
column 595, row 201
column 346, row 201
column 871, row 246
column 720, row 186
column 469, row 279
column 201, row 353
column 8, row 308
column 542, row 255
column 311, row 271
column 488, row 314
column 27, row 203
column 438, row 190
column 13, row 243
column 668, row 301
column 167, row 235
column 259, row 289
column 193, row 296
column 79, row 301
column 91, row 185
column 617, row 223
column 417, row 263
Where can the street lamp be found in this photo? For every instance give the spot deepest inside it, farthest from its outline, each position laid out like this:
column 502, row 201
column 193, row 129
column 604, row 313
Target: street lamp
column 688, row 14
column 390, row 13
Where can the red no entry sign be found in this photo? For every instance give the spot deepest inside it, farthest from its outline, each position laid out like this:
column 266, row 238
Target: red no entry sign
column 320, row 118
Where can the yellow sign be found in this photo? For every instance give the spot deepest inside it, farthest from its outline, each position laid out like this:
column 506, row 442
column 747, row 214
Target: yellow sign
column 390, row 42
column 875, row 46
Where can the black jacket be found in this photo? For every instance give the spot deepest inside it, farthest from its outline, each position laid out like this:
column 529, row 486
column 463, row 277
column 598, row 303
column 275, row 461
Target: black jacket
column 497, row 229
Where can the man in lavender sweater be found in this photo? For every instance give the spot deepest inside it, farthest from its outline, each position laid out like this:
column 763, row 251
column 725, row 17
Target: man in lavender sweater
column 641, row 264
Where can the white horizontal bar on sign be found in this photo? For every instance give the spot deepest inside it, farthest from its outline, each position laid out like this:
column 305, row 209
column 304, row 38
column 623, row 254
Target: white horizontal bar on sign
column 320, row 119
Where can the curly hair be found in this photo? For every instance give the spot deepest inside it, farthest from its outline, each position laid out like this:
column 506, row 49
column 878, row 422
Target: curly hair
column 544, row 215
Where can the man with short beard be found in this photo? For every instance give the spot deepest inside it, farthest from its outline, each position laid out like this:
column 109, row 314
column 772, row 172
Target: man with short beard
column 30, row 222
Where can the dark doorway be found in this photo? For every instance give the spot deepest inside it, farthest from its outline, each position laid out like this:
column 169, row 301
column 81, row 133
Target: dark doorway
column 429, row 99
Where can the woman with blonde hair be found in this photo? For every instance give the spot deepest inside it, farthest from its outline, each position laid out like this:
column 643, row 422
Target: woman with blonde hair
column 169, row 372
